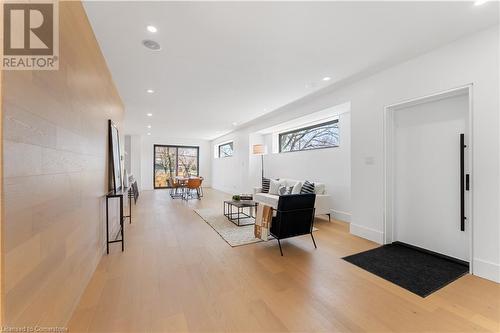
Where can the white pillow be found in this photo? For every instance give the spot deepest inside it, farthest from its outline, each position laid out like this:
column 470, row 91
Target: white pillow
column 296, row 188
column 319, row 188
column 274, row 186
column 285, row 190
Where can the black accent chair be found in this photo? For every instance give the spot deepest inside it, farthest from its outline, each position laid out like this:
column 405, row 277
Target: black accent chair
column 294, row 217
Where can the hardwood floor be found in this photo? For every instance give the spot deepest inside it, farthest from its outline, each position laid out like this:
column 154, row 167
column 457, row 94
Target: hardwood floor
column 178, row 275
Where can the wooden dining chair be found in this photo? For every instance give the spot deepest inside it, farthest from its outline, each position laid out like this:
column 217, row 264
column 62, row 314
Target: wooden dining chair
column 192, row 187
column 176, row 189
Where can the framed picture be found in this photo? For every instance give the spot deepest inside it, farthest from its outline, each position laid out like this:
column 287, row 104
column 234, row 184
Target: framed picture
column 114, row 150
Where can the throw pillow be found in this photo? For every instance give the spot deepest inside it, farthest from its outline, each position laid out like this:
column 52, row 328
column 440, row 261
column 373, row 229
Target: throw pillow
column 296, row 188
column 265, row 185
column 319, row 188
column 307, row 188
column 274, row 186
column 285, row 190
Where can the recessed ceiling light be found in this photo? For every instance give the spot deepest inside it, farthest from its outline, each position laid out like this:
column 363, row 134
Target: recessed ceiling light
column 149, row 126
column 150, row 91
column 480, row 2
column 151, row 28
column 149, row 133
column 149, row 114
column 235, row 123
column 151, row 44
column 327, row 78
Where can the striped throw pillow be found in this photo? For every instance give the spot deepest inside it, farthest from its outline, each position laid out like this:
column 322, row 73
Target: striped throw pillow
column 307, row 188
column 266, row 182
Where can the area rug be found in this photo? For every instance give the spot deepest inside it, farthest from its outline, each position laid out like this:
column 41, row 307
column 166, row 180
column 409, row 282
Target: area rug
column 230, row 232
column 416, row 270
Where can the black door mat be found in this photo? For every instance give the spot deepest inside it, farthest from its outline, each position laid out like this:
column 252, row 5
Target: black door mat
column 419, row 271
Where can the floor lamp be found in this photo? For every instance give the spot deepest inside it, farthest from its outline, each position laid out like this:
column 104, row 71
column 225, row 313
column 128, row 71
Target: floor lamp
column 260, row 149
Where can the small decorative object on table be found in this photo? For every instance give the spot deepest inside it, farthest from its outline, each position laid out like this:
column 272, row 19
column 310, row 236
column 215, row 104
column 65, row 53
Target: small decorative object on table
column 236, row 197
column 246, row 197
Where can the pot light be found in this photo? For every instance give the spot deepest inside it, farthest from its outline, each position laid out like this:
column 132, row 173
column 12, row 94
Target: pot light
column 149, row 133
column 151, row 44
column 150, row 91
column 149, row 126
column 149, row 114
column 327, row 78
column 235, row 124
column 480, row 2
column 151, row 28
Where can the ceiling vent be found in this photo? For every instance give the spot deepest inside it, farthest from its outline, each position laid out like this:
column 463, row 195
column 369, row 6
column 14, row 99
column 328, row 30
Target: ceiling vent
column 151, row 44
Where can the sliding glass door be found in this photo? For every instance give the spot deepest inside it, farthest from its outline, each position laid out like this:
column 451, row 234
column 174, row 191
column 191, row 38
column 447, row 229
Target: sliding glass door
column 172, row 161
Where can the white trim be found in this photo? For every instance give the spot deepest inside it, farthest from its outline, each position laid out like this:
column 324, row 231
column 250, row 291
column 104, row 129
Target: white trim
column 367, row 233
column 388, row 162
column 340, row 215
column 487, row 269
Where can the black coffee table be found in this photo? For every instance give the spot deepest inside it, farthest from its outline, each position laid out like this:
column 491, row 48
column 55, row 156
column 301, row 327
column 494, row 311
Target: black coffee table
column 239, row 215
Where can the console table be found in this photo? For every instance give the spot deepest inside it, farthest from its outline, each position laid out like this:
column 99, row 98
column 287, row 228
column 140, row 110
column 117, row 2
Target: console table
column 119, row 238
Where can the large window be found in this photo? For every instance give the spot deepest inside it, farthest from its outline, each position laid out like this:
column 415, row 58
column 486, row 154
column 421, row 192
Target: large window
column 226, row 150
column 172, row 161
column 319, row 136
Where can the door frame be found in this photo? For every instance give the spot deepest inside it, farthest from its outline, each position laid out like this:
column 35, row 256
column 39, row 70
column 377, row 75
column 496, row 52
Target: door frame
column 389, row 161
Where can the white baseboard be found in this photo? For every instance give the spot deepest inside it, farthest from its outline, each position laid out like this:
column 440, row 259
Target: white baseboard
column 367, row 233
column 340, row 215
column 486, row 269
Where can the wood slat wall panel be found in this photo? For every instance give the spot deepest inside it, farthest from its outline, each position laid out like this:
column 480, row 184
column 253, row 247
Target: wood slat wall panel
column 55, row 176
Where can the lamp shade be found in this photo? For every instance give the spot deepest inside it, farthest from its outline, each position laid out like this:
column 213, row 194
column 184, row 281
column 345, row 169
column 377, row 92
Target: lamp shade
column 259, row 149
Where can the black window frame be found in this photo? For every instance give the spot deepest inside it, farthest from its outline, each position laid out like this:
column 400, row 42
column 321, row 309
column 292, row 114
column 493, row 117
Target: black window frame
column 280, row 136
column 176, row 161
column 231, row 143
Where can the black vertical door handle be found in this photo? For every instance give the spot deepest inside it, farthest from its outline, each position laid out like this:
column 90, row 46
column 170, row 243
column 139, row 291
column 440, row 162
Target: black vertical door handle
column 462, row 182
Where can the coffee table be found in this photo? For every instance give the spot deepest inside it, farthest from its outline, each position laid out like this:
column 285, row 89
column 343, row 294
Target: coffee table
column 237, row 216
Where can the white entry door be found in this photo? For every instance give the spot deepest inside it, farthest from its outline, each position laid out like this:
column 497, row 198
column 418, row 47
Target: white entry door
column 426, row 200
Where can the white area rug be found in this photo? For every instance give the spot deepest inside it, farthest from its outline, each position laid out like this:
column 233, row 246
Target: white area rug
column 230, row 232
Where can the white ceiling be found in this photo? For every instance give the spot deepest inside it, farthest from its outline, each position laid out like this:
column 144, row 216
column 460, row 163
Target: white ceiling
column 230, row 62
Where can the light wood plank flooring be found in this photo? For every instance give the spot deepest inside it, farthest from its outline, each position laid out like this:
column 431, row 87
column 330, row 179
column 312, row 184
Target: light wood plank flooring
column 178, row 275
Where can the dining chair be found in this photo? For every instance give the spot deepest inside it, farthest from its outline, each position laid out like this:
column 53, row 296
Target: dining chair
column 192, row 186
column 175, row 188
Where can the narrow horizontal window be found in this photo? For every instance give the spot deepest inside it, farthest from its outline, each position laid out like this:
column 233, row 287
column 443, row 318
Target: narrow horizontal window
column 226, row 150
column 325, row 135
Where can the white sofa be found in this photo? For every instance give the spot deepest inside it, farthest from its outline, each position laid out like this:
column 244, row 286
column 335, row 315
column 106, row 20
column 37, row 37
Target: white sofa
column 321, row 205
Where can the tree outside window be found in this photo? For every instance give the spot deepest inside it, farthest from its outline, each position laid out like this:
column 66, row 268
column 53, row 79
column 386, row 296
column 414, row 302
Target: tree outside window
column 319, row 136
column 226, row 150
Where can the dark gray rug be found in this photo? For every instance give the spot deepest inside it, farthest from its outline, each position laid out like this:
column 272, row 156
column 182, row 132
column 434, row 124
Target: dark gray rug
column 418, row 271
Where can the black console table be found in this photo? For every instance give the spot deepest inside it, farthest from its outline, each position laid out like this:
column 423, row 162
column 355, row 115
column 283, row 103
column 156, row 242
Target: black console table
column 119, row 238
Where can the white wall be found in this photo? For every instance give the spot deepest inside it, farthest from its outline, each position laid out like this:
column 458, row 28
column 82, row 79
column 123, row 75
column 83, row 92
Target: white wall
column 473, row 59
column 135, row 158
column 329, row 166
column 146, row 160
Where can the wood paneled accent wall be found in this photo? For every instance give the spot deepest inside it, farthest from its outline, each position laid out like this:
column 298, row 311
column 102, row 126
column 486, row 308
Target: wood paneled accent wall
column 55, row 175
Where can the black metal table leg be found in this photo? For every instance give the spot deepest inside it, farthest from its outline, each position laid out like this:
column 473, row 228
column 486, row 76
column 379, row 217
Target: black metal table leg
column 121, row 222
column 130, row 208
column 107, row 231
